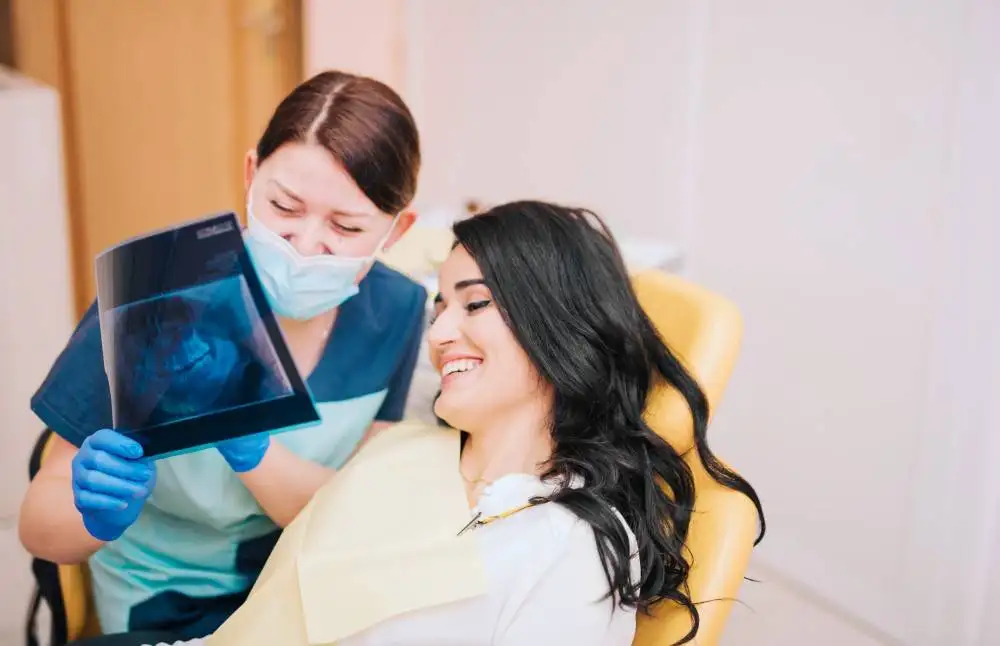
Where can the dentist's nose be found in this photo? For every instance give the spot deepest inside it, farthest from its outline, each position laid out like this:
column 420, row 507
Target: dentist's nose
column 308, row 239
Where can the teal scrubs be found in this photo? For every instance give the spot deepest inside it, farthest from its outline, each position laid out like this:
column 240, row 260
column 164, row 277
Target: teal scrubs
column 201, row 540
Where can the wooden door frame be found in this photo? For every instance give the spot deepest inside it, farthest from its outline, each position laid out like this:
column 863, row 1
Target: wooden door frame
column 6, row 34
column 40, row 35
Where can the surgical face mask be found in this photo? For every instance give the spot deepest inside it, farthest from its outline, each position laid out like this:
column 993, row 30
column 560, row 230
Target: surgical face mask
column 297, row 286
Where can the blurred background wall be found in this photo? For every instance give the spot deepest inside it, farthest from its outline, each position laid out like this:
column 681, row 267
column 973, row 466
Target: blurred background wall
column 828, row 165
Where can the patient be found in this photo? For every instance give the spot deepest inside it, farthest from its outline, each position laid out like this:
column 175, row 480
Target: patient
column 546, row 361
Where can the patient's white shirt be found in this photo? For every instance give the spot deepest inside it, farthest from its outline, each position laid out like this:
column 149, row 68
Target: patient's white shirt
column 546, row 585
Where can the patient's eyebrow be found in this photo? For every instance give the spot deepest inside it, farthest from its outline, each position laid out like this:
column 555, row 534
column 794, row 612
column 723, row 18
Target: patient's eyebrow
column 462, row 284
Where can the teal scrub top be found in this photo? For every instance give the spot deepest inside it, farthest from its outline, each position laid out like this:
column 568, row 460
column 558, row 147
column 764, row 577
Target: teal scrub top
column 190, row 559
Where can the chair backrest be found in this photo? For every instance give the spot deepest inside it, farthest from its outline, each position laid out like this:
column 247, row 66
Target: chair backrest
column 65, row 589
column 705, row 331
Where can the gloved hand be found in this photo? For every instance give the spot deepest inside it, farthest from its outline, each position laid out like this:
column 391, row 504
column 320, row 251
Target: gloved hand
column 245, row 453
column 111, row 482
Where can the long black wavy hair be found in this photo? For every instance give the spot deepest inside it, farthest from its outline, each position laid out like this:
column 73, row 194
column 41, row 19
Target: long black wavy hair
column 561, row 285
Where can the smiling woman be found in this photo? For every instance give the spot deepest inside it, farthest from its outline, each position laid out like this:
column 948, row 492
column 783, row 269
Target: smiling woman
column 547, row 360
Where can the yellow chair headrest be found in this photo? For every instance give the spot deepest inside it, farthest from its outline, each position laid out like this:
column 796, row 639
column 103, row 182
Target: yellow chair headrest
column 704, row 330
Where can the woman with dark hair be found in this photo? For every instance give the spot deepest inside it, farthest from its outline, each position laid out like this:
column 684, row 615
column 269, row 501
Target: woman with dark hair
column 547, row 360
column 174, row 545
column 580, row 510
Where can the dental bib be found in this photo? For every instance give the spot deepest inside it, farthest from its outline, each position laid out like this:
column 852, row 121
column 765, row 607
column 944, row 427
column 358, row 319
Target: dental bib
column 380, row 539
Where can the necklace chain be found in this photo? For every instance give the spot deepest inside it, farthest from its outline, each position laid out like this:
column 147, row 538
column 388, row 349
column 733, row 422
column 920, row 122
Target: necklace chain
column 479, row 520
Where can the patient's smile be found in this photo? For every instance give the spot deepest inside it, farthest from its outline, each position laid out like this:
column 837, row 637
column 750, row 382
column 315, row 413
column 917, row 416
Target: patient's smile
column 456, row 368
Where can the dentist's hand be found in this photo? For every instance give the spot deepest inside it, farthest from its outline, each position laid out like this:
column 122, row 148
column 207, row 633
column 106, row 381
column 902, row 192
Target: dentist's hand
column 245, row 453
column 111, row 482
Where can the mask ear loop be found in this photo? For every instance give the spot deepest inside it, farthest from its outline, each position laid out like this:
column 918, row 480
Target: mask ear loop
column 249, row 204
column 380, row 247
column 250, row 185
column 370, row 262
column 386, row 235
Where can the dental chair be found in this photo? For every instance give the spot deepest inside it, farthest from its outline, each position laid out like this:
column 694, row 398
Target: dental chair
column 705, row 331
column 64, row 588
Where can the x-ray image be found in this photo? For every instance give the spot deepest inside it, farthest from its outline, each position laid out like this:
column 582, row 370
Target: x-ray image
column 192, row 350
column 191, row 353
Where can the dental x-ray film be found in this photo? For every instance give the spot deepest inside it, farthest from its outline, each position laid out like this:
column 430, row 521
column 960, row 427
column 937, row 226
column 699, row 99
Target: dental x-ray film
column 192, row 350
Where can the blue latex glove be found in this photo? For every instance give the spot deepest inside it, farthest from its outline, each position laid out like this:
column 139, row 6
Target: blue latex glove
column 245, row 453
column 111, row 482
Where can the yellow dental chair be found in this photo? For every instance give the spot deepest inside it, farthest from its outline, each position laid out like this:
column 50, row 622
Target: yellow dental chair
column 704, row 330
column 64, row 588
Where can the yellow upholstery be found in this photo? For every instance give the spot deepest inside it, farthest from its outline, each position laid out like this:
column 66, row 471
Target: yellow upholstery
column 420, row 252
column 705, row 331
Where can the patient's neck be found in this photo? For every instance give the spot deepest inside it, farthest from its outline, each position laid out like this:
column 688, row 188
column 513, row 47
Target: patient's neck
column 518, row 442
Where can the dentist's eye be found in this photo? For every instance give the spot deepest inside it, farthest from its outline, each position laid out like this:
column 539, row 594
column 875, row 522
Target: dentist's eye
column 347, row 230
column 476, row 305
column 281, row 207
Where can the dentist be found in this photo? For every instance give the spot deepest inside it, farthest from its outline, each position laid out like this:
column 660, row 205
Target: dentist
column 174, row 546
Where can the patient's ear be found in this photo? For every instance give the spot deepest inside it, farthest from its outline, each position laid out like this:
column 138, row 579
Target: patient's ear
column 403, row 224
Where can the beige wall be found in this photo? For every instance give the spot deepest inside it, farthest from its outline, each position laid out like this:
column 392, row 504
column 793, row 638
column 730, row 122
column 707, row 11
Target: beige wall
column 833, row 206
column 536, row 98
column 362, row 37
column 828, row 166
column 529, row 98
column 990, row 616
column 962, row 410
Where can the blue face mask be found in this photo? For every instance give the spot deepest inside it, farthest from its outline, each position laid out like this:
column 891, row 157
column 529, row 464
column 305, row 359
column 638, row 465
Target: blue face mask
column 297, row 286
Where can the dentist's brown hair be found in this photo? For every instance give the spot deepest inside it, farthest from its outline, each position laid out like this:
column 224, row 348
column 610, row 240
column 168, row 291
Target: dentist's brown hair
column 363, row 123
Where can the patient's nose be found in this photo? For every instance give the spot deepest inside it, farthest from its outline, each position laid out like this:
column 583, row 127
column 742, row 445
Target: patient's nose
column 443, row 330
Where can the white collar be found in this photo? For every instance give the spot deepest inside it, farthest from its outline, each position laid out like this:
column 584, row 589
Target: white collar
column 516, row 489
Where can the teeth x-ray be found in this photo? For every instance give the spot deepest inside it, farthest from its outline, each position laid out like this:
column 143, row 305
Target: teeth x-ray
column 195, row 352
column 192, row 351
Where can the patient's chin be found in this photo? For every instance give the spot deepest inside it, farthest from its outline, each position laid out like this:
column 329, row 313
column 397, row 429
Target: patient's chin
column 452, row 412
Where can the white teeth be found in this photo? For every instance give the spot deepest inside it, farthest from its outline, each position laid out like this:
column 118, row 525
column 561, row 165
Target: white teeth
column 459, row 365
